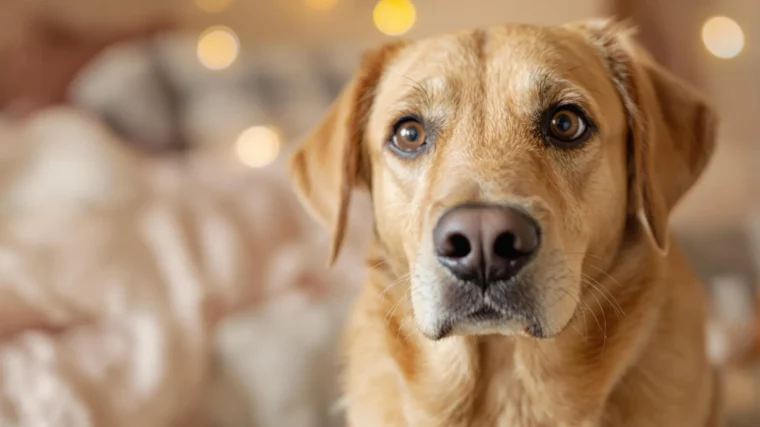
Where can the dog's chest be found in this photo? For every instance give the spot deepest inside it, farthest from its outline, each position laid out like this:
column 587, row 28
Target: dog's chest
column 504, row 403
column 505, row 400
column 491, row 389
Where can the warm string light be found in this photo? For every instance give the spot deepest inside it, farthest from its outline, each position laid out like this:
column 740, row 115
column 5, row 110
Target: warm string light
column 723, row 37
column 394, row 17
column 257, row 146
column 218, row 48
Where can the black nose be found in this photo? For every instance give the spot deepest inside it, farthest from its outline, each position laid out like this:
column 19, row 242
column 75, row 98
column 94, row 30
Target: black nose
column 485, row 243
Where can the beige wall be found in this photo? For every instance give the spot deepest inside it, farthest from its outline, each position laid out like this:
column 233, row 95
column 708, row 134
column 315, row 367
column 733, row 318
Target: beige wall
column 289, row 19
column 292, row 21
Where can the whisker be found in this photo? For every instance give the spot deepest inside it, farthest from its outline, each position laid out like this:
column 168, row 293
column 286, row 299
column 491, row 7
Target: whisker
column 596, row 319
column 588, row 280
column 604, row 317
column 584, row 308
column 395, row 306
column 395, row 283
column 386, row 260
column 600, row 287
column 597, row 257
column 609, row 276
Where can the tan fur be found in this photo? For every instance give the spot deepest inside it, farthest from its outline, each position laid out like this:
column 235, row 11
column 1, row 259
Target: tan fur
column 621, row 313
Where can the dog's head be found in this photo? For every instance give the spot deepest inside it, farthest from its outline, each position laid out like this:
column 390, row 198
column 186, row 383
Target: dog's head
column 500, row 161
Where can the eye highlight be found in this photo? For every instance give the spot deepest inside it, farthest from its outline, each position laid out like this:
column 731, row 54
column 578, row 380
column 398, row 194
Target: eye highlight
column 409, row 137
column 567, row 126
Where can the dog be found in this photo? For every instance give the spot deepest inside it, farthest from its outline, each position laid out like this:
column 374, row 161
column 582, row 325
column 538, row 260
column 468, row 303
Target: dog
column 521, row 271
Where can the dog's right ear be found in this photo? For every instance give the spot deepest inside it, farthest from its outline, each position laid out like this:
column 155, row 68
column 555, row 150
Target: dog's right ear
column 331, row 161
column 672, row 129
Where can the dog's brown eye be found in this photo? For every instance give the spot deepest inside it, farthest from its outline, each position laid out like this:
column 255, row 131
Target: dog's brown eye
column 567, row 125
column 409, row 136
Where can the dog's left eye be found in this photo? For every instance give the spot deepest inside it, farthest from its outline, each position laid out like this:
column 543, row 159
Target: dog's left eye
column 409, row 137
column 567, row 126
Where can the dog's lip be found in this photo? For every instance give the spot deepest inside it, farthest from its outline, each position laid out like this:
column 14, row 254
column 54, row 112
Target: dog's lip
column 483, row 317
column 488, row 313
column 485, row 313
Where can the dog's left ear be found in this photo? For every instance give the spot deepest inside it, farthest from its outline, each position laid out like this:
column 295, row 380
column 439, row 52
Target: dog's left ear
column 331, row 161
column 672, row 128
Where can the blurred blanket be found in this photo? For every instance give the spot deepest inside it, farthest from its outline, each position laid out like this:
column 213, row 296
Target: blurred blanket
column 116, row 273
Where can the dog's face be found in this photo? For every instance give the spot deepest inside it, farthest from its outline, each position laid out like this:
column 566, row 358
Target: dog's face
column 521, row 127
column 503, row 164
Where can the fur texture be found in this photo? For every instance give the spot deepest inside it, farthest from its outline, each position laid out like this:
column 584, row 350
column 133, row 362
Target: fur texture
column 609, row 324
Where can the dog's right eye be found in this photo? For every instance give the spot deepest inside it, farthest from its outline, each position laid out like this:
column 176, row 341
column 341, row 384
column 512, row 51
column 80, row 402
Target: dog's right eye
column 409, row 137
column 567, row 126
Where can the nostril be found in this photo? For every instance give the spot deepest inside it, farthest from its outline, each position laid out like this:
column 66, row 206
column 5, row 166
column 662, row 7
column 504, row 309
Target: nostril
column 506, row 245
column 457, row 246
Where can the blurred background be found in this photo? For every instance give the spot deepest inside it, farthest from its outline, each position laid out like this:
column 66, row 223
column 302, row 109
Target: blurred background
column 120, row 120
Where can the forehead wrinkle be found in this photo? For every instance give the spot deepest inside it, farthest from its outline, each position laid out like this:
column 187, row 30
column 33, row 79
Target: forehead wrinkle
column 433, row 99
column 466, row 121
column 537, row 71
column 431, row 77
column 428, row 93
column 553, row 88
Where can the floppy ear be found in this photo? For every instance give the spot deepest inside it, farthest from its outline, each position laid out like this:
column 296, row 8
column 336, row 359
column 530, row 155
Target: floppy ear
column 331, row 161
column 671, row 128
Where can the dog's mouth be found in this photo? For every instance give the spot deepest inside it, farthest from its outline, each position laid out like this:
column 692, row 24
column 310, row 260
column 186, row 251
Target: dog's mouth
column 485, row 314
column 450, row 308
column 484, row 319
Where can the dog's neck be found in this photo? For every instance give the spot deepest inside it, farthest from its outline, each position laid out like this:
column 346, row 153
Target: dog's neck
column 460, row 376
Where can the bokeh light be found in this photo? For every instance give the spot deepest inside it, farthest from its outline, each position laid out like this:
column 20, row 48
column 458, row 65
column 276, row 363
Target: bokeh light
column 394, row 17
column 321, row 5
column 257, row 146
column 213, row 6
column 218, row 47
column 723, row 37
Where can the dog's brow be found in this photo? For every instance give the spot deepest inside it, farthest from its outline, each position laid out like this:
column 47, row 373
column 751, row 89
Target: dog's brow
column 548, row 85
column 426, row 93
column 553, row 88
column 419, row 90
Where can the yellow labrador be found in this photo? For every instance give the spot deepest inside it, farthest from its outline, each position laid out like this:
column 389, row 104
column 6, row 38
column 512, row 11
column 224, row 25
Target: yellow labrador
column 522, row 272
